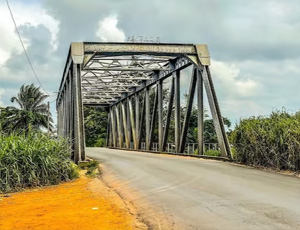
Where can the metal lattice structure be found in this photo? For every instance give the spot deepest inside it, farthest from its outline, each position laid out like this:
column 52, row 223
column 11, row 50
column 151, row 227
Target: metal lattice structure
column 116, row 74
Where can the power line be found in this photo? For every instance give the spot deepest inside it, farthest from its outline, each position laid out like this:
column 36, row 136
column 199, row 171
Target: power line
column 25, row 52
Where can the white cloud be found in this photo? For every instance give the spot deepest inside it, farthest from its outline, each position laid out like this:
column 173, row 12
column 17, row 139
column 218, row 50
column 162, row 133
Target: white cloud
column 231, row 82
column 23, row 13
column 108, row 31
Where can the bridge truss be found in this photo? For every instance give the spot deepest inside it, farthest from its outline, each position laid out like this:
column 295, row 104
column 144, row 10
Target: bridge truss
column 120, row 77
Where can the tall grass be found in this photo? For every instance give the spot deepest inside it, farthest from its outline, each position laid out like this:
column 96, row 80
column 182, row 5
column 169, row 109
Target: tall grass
column 272, row 141
column 33, row 160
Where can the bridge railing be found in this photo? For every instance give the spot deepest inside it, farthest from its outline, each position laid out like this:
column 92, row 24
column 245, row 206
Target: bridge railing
column 190, row 148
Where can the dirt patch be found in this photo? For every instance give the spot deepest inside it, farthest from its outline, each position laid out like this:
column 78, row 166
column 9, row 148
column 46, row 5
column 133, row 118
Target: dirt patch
column 85, row 203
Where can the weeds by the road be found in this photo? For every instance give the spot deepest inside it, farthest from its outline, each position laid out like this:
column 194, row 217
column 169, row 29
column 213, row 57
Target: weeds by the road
column 33, row 160
column 92, row 168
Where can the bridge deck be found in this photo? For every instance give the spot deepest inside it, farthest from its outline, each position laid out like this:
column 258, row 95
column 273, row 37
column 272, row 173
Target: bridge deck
column 205, row 194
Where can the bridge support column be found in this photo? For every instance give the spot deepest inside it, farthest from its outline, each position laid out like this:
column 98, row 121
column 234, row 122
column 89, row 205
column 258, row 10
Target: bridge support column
column 160, row 115
column 107, row 144
column 153, row 118
column 137, row 117
column 79, row 142
column 128, row 122
column 142, row 123
column 176, row 77
column 215, row 110
column 125, row 124
column 120, row 133
column 147, row 117
column 200, row 112
column 132, row 123
column 168, row 118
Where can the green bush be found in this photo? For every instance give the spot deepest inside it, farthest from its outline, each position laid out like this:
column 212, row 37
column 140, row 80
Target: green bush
column 272, row 141
column 100, row 142
column 34, row 159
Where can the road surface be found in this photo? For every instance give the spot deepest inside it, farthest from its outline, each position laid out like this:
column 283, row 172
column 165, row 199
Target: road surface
column 193, row 193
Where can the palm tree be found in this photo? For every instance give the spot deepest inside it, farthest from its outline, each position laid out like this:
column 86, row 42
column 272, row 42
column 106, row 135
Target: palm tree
column 31, row 114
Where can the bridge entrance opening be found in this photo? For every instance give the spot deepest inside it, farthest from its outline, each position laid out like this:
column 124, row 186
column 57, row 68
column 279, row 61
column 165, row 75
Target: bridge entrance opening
column 140, row 85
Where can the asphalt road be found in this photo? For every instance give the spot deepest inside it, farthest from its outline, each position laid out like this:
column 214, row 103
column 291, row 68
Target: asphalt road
column 205, row 194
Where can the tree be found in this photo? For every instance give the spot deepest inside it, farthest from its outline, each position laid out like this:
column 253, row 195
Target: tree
column 95, row 122
column 210, row 135
column 32, row 113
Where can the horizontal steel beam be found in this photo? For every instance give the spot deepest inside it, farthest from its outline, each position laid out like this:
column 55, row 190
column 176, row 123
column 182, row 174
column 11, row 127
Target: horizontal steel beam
column 98, row 101
column 133, row 48
column 124, row 69
column 133, row 78
column 152, row 59
column 108, row 84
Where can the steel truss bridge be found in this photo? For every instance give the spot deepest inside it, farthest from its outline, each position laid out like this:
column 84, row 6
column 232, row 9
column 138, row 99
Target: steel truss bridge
column 120, row 77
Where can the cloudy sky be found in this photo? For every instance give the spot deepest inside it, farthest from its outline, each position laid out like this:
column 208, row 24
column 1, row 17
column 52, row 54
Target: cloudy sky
column 254, row 45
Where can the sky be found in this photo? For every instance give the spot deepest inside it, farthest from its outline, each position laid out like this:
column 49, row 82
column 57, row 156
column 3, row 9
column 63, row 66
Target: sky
column 254, row 45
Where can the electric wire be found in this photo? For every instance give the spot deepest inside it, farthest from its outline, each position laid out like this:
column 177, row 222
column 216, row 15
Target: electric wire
column 24, row 49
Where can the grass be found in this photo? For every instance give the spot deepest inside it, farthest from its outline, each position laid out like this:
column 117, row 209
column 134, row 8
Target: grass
column 214, row 153
column 92, row 168
column 35, row 159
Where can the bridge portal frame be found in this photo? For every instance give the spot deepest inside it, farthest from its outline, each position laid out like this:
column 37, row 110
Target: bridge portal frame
column 97, row 74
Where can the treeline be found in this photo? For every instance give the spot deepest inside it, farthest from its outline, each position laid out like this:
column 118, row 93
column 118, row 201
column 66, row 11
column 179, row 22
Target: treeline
column 272, row 141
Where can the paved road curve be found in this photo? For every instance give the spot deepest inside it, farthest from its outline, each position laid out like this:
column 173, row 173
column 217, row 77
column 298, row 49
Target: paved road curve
column 204, row 194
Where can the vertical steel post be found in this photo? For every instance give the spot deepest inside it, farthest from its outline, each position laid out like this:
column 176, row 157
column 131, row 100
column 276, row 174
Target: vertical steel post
column 70, row 108
column 77, row 139
column 128, row 123
column 153, row 119
column 132, row 123
column 125, row 124
column 176, row 77
column 147, row 117
column 200, row 112
column 141, row 124
column 66, row 110
column 113, row 120
column 137, row 116
column 81, row 115
column 120, row 136
column 160, row 114
column 72, row 84
column 108, row 129
column 111, row 137
column 168, row 118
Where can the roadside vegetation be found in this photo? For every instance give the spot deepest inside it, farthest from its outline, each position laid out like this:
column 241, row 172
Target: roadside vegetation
column 29, row 157
column 34, row 159
column 272, row 142
column 91, row 168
